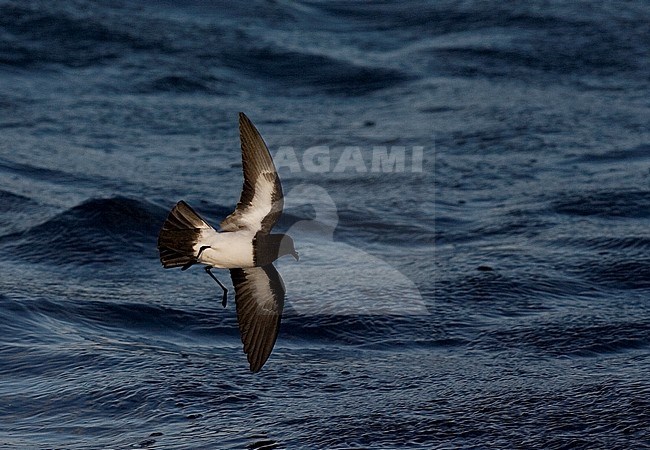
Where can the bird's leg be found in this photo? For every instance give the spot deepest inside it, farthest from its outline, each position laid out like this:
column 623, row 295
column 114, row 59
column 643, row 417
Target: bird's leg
column 224, row 301
column 201, row 251
column 195, row 259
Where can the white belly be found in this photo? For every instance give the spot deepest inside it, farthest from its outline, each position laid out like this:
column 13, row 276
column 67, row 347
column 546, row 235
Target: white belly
column 228, row 250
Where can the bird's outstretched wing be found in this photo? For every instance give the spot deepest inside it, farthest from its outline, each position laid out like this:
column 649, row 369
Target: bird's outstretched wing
column 259, row 295
column 261, row 201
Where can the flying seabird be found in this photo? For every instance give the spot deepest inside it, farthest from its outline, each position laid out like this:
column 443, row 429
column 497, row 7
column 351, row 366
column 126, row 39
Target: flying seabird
column 244, row 244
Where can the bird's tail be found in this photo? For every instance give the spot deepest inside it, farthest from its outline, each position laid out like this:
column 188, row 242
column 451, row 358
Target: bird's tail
column 179, row 235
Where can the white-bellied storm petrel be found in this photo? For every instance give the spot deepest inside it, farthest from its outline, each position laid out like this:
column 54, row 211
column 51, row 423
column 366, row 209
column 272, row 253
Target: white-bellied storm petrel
column 244, row 245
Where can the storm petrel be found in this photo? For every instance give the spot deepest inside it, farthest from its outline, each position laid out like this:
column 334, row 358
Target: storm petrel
column 244, row 245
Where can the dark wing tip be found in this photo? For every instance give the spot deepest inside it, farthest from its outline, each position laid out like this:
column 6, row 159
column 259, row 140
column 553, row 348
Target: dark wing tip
column 245, row 123
column 250, row 136
column 256, row 366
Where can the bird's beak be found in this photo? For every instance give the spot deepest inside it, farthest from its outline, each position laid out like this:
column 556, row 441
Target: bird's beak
column 296, row 255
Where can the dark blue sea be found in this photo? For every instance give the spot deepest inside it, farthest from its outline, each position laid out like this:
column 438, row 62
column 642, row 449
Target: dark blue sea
column 467, row 183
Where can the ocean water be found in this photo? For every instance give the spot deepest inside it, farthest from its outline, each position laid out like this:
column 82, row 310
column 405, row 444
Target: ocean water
column 468, row 184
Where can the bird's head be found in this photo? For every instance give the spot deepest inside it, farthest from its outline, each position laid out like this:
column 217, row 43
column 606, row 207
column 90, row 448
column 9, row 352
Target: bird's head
column 287, row 247
column 269, row 247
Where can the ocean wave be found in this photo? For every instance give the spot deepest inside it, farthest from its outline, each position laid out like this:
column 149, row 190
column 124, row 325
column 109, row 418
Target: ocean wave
column 43, row 33
column 96, row 231
column 47, row 34
column 17, row 211
column 91, row 314
column 177, row 83
column 633, row 204
column 51, row 316
column 635, row 243
column 366, row 226
column 10, row 201
column 300, row 69
column 616, row 156
column 473, row 40
column 36, row 172
column 590, row 337
column 494, row 292
column 613, row 270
